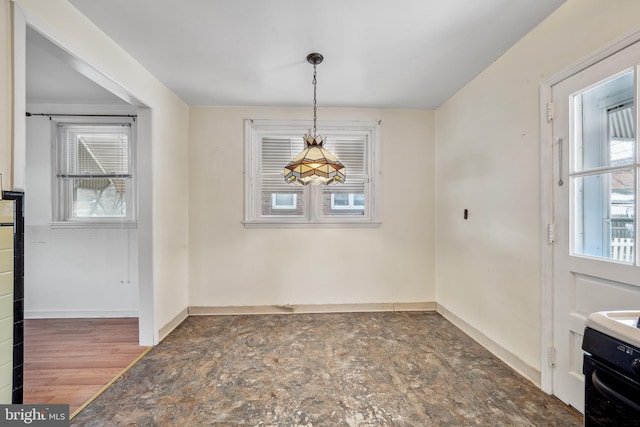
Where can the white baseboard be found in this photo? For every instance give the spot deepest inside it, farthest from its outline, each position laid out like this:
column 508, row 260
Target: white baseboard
column 311, row 308
column 77, row 314
column 173, row 323
column 529, row 372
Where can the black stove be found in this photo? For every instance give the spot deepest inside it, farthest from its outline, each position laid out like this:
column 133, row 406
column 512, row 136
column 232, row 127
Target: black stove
column 612, row 369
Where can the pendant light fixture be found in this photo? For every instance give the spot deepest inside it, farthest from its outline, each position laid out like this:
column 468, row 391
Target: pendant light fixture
column 314, row 164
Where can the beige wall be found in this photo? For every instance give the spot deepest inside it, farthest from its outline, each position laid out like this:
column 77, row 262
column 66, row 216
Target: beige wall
column 5, row 95
column 234, row 266
column 487, row 160
column 487, row 154
column 166, row 160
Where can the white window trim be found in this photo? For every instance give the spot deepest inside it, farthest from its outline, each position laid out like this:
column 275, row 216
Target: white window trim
column 256, row 129
column 59, row 214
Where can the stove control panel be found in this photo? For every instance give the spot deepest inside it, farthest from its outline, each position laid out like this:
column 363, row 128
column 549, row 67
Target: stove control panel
column 612, row 352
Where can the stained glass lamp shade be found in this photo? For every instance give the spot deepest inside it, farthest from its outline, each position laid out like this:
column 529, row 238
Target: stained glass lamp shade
column 314, row 165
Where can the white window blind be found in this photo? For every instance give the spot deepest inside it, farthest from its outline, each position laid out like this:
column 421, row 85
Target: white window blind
column 276, row 153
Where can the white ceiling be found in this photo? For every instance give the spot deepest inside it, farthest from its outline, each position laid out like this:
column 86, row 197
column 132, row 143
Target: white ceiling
column 51, row 77
column 378, row 53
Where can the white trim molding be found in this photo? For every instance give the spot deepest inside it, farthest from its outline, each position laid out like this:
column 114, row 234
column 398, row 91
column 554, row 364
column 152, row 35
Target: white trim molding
column 513, row 361
column 173, row 323
column 32, row 15
column 311, row 308
column 546, row 248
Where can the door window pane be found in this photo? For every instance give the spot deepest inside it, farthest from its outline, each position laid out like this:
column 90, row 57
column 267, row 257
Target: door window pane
column 604, row 215
column 605, row 135
column 604, row 177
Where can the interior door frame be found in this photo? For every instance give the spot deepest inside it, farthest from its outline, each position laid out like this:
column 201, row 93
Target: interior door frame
column 148, row 329
column 546, row 201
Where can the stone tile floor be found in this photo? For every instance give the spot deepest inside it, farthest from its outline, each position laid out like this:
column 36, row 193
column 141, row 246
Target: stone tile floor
column 342, row 369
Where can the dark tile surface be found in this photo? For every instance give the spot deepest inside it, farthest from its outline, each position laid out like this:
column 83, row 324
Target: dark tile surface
column 351, row 369
column 18, row 292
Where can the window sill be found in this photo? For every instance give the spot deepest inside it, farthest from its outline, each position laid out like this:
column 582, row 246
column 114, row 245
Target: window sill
column 312, row 224
column 98, row 224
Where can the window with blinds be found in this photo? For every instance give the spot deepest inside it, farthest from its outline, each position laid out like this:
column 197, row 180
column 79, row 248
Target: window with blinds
column 270, row 145
column 93, row 172
column 276, row 197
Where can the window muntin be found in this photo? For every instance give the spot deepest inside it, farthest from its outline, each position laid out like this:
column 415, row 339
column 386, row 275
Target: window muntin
column 272, row 144
column 94, row 179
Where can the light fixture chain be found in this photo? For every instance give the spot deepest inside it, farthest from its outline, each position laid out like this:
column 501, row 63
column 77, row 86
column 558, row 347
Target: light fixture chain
column 315, row 108
column 314, row 164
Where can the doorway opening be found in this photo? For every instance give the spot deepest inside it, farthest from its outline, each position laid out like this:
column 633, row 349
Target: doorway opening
column 76, row 271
